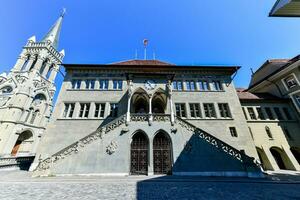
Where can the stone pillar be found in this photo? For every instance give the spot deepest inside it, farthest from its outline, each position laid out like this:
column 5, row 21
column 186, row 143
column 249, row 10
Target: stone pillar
column 150, row 110
column 30, row 63
column 271, row 158
column 46, row 69
column 38, row 64
column 129, row 91
column 169, row 87
column 53, row 74
column 150, row 158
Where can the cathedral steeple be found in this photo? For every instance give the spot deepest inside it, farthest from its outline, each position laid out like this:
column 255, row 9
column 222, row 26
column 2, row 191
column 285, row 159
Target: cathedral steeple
column 53, row 34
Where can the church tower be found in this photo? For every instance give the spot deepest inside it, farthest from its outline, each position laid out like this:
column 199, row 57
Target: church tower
column 26, row 94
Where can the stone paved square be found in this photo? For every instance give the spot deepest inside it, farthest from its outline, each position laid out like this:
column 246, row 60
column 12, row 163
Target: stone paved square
column 20, row 185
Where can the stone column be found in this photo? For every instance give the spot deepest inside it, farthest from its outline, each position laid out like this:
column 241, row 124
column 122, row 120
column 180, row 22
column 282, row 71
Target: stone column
column 129, row 91
column 150, row 158
column 169, row 87
column 271, row 158
column 150, row 110
column 30, row 62
column 53, row 74
column 38, row 64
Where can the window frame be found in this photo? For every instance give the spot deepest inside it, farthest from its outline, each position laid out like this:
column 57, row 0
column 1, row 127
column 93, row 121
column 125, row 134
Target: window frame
column 182, row 110
column 193, row 110
column 224, row 110
column 209, row 110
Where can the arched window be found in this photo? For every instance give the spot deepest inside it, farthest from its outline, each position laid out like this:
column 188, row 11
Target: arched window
column 6, row 90
column 25, row 63
column 38, row 99
column 44, row 66
column 49, row 72
column 34, row 62
column 268, row 131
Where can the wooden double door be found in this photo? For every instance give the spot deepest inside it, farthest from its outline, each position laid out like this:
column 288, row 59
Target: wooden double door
column 162, row 158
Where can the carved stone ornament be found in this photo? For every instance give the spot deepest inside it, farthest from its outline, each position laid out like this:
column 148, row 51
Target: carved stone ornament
column 20, row 79
column 112, row 147
column 39, row 84
column 1, row 80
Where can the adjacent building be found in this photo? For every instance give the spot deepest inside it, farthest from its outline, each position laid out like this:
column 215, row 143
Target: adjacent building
column 286, row 8
column 275, row 129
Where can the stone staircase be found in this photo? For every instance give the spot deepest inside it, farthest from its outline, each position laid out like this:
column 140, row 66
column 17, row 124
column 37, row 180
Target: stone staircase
column 211, row 139
column 80, row 144
column 98, row 134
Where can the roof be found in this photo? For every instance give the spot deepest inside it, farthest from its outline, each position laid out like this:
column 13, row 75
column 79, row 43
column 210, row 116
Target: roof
column 141, row 62
column 243, row 95
column 286, row 8
column 150, row 65
column 270, row 68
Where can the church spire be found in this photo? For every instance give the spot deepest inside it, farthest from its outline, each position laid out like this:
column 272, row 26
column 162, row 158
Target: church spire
column 53, row 34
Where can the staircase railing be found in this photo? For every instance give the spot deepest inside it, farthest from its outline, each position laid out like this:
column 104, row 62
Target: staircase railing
column 211, row 139
column 80, row 144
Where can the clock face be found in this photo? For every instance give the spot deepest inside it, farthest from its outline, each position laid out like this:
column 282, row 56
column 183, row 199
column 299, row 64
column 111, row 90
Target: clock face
column 150, row 85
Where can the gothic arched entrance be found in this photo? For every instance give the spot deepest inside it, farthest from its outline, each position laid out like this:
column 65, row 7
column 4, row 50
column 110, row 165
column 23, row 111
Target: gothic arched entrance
column 139, row 154
column 23, row 143
column 162, row 158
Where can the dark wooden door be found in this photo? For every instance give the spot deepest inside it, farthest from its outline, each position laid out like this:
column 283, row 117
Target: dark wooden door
column 139, row 155
column 16, row 148
column 162, row 154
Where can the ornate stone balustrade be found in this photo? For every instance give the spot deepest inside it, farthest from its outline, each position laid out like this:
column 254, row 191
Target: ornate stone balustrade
column 139, row 117
column 80, row 144
column 211, row 139
column 147, row 117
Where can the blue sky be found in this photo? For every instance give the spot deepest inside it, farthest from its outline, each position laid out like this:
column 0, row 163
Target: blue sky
column 190, row 32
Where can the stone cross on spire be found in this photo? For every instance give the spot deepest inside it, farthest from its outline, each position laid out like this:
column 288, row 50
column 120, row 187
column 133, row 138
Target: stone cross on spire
column 53, row 34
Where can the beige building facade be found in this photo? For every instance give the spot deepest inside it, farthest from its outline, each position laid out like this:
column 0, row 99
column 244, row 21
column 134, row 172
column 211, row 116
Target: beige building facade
column 274, row 127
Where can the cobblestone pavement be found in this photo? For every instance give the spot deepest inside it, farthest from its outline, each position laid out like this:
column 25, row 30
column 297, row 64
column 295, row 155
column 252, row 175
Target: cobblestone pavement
column 23, row 187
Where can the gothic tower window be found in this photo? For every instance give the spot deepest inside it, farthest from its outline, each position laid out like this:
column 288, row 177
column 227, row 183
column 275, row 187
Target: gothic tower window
column 24, row 66
column 34, row 62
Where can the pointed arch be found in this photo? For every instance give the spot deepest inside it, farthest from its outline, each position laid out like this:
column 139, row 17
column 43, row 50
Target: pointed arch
column 159, row 101
column 140, row 101
column 162, row 153
column 139, row 153
column 281, row 158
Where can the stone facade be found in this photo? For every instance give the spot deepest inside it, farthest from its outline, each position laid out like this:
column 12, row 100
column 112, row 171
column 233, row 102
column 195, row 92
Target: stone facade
column 26, row 95
column 106, row 115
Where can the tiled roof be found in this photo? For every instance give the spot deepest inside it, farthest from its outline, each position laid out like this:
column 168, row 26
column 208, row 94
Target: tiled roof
column 269, row 68
column 244, row 95
column 141, row 62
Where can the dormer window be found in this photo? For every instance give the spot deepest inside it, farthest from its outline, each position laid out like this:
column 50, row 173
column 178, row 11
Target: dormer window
column 290, row 81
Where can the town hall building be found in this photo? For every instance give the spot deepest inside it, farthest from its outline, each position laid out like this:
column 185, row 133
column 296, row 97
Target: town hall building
column 145, row 117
